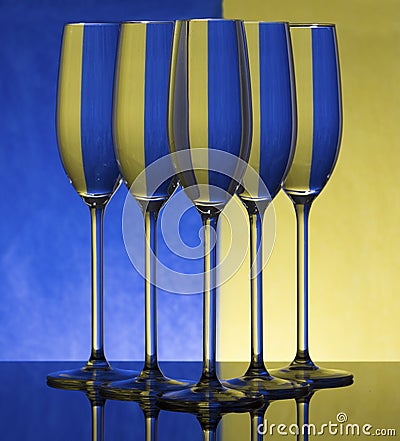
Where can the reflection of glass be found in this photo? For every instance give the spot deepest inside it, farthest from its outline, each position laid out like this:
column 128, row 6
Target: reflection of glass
column 97, row 403
column 148, row 405
column 209, row 113
column 150, row 411
column 303, row 415
column 209, row 421
column 208, row 418
column 257, row 420
column 319, row 133
column 84, row 107
column 274, row 135
column 260, row 426
column 140, row 137
column 53, row 411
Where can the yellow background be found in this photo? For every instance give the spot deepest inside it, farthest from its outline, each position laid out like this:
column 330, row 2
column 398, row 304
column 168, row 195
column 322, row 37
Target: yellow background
column 354, row 223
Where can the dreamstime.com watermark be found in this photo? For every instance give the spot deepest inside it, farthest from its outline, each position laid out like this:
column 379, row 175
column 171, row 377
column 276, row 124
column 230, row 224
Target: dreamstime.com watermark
column 341, row 427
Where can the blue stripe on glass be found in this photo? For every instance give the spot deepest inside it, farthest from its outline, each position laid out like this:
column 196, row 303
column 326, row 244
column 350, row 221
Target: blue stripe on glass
column 327, row 106
column 181, row 114
column 224, row 95
column 158, row 54
column 99, row 50
column 276, row 106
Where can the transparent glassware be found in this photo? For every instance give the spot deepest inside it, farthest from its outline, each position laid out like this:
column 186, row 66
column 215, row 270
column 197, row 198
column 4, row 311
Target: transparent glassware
column 84, row 135
column 257, row 421
column 97, row 404
column 209, row 128
column 306, row 429
column 147, row 402
column 273, row 141
column 208, row 418
column 319, row 108
column 140, row 140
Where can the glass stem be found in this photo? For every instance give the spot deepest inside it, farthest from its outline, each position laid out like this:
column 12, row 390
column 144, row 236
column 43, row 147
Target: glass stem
column 302, row 215
column 150, row 225
column 151, row 427
column 209, row 371
column 302, row 407
column 97, row 357
column 97, row 422
column 257, row 426
column 256, row 293
column 209, row 435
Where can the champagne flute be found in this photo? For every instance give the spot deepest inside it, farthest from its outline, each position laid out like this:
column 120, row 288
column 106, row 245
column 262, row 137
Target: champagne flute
column 140, row 140
column 84, row 134
column 319, row 108
column 210, row 134
column 274, row 137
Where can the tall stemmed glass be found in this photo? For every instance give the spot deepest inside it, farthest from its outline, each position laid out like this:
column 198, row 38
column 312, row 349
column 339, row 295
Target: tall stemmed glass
column 84, row 134
column 274, row 137
column 319, row 109
column 210, row 134
column 140, row 138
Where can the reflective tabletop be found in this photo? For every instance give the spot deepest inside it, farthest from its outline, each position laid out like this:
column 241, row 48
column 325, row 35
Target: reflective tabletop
column 31, row 410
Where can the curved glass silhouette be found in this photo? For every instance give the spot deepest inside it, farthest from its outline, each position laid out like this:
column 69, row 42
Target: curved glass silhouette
column 140, row 138
column 272, row 148
column 209, row 112
column 84, row 135
column 319, row 106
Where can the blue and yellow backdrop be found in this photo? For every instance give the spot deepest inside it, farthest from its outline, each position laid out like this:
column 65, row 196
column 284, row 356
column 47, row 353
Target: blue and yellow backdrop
column 44, row 226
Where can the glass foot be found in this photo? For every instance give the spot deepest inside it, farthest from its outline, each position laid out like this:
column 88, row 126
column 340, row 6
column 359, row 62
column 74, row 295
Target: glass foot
column 317, row 377
column 260, row 382
column 80, row 379
column 209, row 395
column 149, row 383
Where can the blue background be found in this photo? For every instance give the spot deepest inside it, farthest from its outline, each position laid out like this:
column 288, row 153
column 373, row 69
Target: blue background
column 44, row 225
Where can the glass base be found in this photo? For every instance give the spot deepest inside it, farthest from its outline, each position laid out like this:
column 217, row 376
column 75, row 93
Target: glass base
column 260, row 382
column 209, row 395
column 148, row 384
column 317, row 377
column 89, row 375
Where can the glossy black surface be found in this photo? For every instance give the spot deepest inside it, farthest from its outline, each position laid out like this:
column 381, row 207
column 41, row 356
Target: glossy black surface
column 31, row 410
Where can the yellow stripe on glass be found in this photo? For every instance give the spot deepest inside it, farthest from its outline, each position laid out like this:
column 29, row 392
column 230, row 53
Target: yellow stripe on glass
column 298, row 178
column 69, row 105
column 172, row 78
column 198, row 103
column 129, row 102
column 253, row 47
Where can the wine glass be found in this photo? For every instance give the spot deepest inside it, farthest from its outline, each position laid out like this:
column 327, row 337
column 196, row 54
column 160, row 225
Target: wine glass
column 209, row 128
column 84, row 134
column 140, row 140
column 274, row 137
column 319, row 109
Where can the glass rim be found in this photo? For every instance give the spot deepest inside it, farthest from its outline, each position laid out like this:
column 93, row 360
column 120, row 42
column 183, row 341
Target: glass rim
column 265, row 22
column 311, row 25
column 133, row 22
column 91, row 23
column 225, row 20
